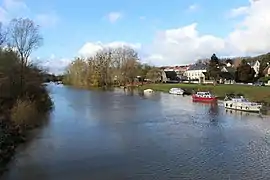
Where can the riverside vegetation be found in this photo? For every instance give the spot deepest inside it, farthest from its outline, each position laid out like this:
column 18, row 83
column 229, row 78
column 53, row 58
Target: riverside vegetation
column 24, row 100
column 109, row 67
column 122, row 66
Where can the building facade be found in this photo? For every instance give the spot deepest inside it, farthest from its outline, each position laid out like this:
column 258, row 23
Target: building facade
column 196, row 72
column 256, row 66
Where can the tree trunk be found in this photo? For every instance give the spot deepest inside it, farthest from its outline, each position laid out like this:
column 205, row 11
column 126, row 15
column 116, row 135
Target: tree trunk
column 22, row 77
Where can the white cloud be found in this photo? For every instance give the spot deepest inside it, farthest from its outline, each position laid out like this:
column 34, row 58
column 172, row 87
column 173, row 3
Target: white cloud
column 47, row 20
column 114, row 16
column 13, row 8
column 186, row 44
column 14, row 5
column 254, row 31
column 238, row 11
column 10, row 9
column 53, row 64
column 90, row 48
column 193, row 7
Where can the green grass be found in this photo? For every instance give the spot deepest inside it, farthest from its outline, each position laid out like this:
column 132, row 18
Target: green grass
column 253, row 93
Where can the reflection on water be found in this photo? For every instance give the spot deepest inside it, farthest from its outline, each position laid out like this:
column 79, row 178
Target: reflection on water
column 124, row 135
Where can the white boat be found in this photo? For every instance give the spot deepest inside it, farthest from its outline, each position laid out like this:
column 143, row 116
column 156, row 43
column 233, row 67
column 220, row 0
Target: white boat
column 177, row 91
column 242, row 104
column 148, row 91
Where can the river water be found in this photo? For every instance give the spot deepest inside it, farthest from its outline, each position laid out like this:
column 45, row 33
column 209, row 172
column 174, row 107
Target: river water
column 114, row 135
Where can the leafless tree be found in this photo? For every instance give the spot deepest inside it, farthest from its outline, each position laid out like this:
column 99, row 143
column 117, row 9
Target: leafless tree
column 154, row 75
column 105, row 68
column 3, row 35
column 24, row 37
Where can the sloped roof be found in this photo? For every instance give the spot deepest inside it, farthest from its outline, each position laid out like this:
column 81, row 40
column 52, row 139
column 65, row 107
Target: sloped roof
column 198, row 66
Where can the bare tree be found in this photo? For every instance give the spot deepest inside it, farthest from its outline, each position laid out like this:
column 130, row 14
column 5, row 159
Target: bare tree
column 24, row 37
column 105, row 68
column 3, row 35
column 154, row 75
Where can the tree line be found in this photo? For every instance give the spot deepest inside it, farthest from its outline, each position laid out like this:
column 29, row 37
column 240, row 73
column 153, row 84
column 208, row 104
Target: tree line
column 243, row 72
column 23, row 96
column 110, row 67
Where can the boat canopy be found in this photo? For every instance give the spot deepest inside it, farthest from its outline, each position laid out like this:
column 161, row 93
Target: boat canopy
column 203, row 93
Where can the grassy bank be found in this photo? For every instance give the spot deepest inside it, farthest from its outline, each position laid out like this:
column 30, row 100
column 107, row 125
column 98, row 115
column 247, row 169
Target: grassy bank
column 253, row 93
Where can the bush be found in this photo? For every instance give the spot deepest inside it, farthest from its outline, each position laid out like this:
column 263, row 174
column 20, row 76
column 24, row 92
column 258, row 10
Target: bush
column 264, row 79
column 24, row 114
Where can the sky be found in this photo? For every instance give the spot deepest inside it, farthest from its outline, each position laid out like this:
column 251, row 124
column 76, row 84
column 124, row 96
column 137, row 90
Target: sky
column 174, row 32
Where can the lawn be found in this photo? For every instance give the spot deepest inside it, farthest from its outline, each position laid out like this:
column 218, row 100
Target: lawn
column 253, row 93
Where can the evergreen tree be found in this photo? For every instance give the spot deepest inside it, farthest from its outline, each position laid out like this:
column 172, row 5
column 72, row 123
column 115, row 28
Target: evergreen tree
column 213, row 68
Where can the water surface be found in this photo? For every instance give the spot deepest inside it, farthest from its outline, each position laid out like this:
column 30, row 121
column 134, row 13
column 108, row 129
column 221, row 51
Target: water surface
column 115, row 135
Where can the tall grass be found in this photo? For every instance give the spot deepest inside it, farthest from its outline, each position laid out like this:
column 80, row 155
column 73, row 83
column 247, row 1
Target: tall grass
column 24, row 114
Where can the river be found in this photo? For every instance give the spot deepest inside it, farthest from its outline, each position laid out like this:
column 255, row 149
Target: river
column 114, row 135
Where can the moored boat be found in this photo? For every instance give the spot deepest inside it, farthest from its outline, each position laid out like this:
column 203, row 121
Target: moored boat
column 203, row 97
column 148, row 91
column 240, row 103
column 176, row 91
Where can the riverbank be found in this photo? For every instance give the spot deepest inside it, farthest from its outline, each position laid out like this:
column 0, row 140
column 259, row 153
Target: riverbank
column 16, row 127
column 253, row 93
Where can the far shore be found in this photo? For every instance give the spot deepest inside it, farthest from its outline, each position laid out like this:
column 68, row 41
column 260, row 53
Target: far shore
column 253, row 93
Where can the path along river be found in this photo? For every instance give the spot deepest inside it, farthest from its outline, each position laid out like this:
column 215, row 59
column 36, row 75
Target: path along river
column 113, row 135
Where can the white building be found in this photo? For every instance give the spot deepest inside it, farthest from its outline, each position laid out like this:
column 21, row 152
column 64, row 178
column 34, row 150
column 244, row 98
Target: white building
column 196, row 72
column 256, row 66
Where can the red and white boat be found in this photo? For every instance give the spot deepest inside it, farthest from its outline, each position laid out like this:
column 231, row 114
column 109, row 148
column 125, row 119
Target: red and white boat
column 203, row 97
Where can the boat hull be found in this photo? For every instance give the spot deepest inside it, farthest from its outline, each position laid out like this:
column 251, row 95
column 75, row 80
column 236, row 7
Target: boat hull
column 203, row 99
column 177, row 93
column 242, row 107
column 148, row 91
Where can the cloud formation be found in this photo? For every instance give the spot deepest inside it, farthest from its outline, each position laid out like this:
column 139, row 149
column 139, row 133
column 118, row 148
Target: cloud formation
column 193, row 7
column 114, row 16
column 90, row 48
column 186, row 44
column 10, row 9
column 53, row 64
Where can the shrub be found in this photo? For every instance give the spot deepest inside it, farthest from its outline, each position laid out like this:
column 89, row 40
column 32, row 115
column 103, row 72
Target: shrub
column 24, row 114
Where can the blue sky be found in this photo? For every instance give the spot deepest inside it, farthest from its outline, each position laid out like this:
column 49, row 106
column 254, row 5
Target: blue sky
column 68, row 25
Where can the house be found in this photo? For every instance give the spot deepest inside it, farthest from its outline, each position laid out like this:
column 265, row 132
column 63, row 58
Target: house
column 196, row 72
column 256, row 66
column 227, row 75
column 180, row 70
column 174, row 73
column 266, row 71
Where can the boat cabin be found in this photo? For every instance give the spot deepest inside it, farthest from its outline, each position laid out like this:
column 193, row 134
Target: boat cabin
column 204, row 94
